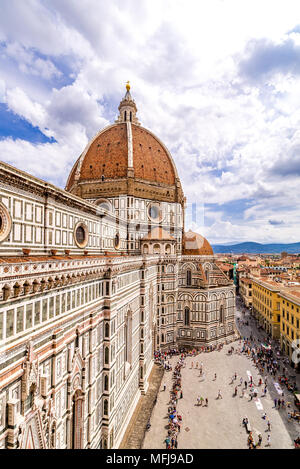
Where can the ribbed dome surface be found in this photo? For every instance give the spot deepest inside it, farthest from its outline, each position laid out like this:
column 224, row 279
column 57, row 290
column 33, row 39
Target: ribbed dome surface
column 195, row 244
column 107, row 156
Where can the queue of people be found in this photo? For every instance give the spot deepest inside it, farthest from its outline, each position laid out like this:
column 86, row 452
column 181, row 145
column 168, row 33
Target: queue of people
column 174, row 419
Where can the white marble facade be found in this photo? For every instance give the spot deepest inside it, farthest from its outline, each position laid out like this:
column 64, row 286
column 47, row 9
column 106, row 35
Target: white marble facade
column 89, row 288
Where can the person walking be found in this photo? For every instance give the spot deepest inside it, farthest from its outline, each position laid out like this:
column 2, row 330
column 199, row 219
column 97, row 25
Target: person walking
column 268, row 426
column 259, row 440
column 165, row 387
column 206, row 402
column 268, row 440
column 215, row 376
column 181, row 395
column 219, row 395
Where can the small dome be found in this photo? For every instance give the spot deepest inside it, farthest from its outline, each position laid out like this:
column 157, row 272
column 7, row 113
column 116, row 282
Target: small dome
column 195, row 244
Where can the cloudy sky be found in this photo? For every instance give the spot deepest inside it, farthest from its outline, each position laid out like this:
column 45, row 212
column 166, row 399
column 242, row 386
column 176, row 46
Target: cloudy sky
column 217, row 81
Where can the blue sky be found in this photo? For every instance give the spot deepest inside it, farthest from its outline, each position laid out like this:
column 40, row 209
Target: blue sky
column 218, row 82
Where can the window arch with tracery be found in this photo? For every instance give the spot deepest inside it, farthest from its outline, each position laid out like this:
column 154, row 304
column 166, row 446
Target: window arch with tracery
column 188, row 278
column 186, row 316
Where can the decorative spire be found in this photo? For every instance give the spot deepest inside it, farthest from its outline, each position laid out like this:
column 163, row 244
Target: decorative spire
column 127, row 108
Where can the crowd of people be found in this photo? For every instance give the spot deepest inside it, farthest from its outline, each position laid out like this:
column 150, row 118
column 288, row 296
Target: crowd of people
column 264, row 358
column 174, row 419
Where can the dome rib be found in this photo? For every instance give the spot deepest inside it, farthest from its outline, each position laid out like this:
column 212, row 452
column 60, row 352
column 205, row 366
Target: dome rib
column 107, row 155
column 195, row 244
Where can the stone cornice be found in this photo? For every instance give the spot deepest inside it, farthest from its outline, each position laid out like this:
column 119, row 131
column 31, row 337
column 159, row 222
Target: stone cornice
column 13, row 177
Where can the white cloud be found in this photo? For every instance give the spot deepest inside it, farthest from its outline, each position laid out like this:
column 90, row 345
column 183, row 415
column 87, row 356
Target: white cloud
column 228, row 134
column 48, row 159
column 22, row 105
column 29, row 63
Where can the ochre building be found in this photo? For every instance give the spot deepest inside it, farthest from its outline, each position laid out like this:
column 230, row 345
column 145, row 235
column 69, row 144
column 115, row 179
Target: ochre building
column 266, row 305
column 93, row 279
column 290, row 323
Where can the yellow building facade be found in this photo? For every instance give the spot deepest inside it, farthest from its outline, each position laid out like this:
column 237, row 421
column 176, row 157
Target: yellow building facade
column 290, row 322
column 245, row 290
column 277, row 309
column 266, row 305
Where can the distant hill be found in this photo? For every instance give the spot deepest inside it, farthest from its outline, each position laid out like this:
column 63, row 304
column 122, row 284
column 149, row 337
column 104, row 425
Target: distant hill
column 256, row 248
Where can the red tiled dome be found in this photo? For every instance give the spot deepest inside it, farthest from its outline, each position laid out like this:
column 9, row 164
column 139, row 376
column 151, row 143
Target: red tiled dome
column 107, row 156
column 125, row 158
column 195, row 244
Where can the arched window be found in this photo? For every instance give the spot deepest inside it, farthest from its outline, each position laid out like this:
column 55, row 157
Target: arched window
column 106, row 356
column 105, row 407
column 130, row 116
column 6, row 291
column 188, row 278
column 77, row 424
column 125, row 116
column 186, row 316
column 106, row 329
column 156, row 249
column 222, row 314
column 128, row 337
column 105, row 383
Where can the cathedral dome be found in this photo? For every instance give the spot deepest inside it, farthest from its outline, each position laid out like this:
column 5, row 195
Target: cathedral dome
column 125, row 158
column 195, row 244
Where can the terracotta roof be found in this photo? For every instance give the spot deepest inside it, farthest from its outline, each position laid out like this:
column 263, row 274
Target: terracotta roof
column 225, row 267
column 295, row 293
column 246, row 280
column 195, row 244
column 107, row 155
